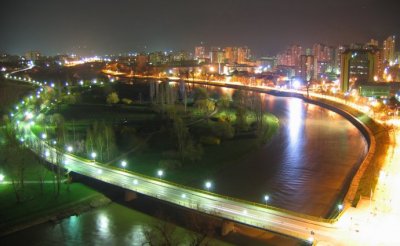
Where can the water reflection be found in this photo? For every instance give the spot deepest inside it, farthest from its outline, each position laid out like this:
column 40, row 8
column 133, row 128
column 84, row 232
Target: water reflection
column 295, row 122
column 103, row 224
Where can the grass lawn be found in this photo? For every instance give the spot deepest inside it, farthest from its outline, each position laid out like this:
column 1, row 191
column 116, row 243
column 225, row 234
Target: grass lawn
column 36, row 204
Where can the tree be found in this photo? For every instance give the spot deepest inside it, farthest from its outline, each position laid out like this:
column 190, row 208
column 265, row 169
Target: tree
column 59, row 154
column 224, row 101
column 100, row 138
column 111, row 146
column 112, row 98
column 240, row 103
column 205, row 105
column 16, row 159
column 187, row 149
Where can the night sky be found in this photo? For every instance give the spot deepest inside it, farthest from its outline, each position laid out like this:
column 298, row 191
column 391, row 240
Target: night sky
column 119, row 26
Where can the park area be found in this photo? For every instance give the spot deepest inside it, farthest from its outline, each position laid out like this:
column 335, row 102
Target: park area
column 189, row 136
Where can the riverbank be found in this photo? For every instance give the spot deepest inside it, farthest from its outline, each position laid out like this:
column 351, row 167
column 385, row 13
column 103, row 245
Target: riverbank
column 366, row 177
column 45, row 208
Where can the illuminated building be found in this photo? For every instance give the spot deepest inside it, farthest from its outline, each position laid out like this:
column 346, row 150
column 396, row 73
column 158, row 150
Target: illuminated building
column 181, row 56
column 323, row 59
column 307, row 67
column 389, row 50
column 243, row 55
column 32, row 55
column 373, row 43
column 231, row 55
column 199, row 52
column 268, row 63
column 358, row 67
column 217, row 55
column 156, row 58
column 291, row 57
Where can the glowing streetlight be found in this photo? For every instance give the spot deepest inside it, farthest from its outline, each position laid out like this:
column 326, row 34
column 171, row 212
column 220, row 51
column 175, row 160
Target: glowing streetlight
column 208, row 185
column 1, row 177
column 340, row 207
column 266, row 198
column 123, row 164
column 44, row 135
column 70, row 148
column 93, row 155
column 160, row 173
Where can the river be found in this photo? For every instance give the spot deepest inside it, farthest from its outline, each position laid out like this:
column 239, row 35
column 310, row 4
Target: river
column 305, row 168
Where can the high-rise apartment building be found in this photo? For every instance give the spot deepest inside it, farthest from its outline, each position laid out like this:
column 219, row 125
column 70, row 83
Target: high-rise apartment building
column 199, row 52
column 243, row 55
column 307, row 67
column 217, row 55
column 291, row 57
column 231, row 54
column 358, row 67
column 32, row 55
column 389, row 50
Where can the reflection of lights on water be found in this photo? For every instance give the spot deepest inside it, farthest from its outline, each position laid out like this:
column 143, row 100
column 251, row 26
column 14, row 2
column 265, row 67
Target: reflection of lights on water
column 295, row 119
column 103, row 223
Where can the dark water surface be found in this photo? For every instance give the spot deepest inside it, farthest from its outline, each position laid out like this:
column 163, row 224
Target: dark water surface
column 305, row 166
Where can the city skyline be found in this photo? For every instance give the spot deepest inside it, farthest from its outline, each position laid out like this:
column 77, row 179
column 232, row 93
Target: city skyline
column 267, row 28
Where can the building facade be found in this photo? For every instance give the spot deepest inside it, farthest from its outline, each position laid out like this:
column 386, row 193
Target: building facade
column 358, row 68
